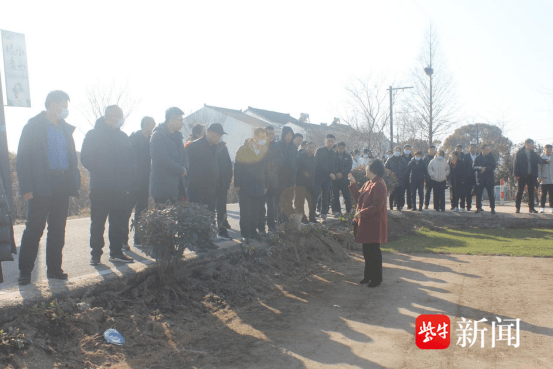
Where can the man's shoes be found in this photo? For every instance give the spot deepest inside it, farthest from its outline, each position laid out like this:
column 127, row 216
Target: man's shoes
column 469, row 209
column 455, row 210
column 478, row 211
column 224, row 233
column 542, row 210
column 493, row 212
column 256, row 236
column 399, row 209
column 246, row 240
column 121, row 258
column 373, row 284
column 125, row 247
column 437, row 209
column 532, row 211
column 426, row 207
column 313, row 220
column 365, row 281
column 337, row 214
column 59, row 275
column 517, row 210
column 226, row 224
column 304, row 220
column 413, row 209
column 95, row 260
column 420, row 209
column 262, row 233
column 24, row 279
column 461, row 210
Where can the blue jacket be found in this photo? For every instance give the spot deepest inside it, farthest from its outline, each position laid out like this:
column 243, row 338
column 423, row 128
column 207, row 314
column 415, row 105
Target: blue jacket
column 108, row 155
column 33, row 169
column 169, row 160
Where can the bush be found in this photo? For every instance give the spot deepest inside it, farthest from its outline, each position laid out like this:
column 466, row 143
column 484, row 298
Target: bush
column 167, row 231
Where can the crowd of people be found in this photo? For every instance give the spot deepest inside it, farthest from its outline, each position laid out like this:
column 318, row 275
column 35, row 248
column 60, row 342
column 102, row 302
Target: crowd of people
column 274, row 179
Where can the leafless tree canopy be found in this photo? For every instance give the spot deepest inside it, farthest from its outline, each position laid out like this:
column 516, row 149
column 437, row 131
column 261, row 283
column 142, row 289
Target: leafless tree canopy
column 416, row 116
column 367, row 110
column 99, row 96
column 200, row 117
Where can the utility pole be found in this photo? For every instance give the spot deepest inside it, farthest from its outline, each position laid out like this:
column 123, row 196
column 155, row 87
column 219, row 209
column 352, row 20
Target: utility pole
column 5, row 154
column 391, row 89
column 429, row 71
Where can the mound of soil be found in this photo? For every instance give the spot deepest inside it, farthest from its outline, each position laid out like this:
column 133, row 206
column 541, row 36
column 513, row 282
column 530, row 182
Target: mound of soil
column 157, row 314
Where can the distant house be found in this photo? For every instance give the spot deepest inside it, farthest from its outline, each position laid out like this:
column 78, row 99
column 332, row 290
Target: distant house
column 276, row 119
column 238, row 125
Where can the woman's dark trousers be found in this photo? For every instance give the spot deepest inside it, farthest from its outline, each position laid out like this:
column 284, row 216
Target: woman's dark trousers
column 373, row 262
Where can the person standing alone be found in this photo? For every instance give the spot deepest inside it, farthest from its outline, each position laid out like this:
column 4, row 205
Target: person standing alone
column 526, row 173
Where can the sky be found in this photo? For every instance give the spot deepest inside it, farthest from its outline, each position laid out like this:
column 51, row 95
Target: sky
column 288, row 56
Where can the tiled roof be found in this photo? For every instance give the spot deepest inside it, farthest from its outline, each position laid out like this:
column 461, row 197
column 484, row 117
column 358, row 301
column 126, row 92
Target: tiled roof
column 274, row 116
column 239, row 115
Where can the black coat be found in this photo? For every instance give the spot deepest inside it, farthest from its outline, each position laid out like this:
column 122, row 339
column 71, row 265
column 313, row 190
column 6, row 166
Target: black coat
column 306, row 170
column 398, row 165
column 108, row 155
column 249, row 170
column 204, row 166
column 273, row 163
column 33, row 169
column 418, row 170
column 344, row 164
column 225, row 167
column 143, row 160
column 471, row 175
column 427, row 159
column 458, row 174
column 488, row 162
column 521, row 163
column 169, row 161
column 326, row 164
column 287, row 172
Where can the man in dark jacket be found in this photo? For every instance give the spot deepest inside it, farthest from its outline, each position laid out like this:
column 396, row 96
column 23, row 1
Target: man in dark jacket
column 108, row 156
column 249, row 178
column 48, row 175
column 325, row 172
column 417, row 171
column 341, row 183
column 408, row 156
column 140, row 191
column 223, row 184
column 427, row 159
column 169, row 159
column 460, row 198
column 287, row 173
column 397, row 164
column 484, row 165
column 274, row 161
column 470, row 184
column 305, row 184
column 526, row 173
column 204, row 167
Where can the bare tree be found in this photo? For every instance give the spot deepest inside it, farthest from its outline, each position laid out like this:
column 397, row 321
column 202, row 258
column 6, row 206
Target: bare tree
column 432, row 109
column 203, row 117
column 99, row 96
column 367, row 111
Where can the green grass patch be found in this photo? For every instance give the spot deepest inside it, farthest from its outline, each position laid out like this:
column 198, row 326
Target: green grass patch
column 511, row 242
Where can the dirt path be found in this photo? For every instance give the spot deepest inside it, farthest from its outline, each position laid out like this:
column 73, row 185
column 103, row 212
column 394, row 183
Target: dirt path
column 329, row 321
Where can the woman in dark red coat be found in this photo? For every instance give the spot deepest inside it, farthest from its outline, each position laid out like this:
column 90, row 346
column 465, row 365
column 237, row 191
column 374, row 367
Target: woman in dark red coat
column 371, row 220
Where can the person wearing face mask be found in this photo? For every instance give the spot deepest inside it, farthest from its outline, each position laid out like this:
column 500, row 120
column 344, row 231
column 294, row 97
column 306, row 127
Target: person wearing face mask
column 325, row 172
column 138, row 199
column 355, row 160
column 48, row 174
column 250, row 180
column 470, row 184
column 108, row 155
column 484, row 166
column 417, row 173
column 428, row 182
column 203, row 172
column 397, row 164
column 407, row 185
column 438, row 170
column 458, row 172
column 545, row 178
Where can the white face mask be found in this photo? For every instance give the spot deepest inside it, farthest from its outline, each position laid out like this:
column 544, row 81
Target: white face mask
column 120, row 122
column 417, row 158
column 440, row 157
column 397, row 153
column 261, row 142
column 407, row 152
column 63, row 114
column 365, row 156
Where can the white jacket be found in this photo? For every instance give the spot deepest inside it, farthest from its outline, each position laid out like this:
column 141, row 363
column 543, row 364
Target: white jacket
column 545, row 171
column 438, row 170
